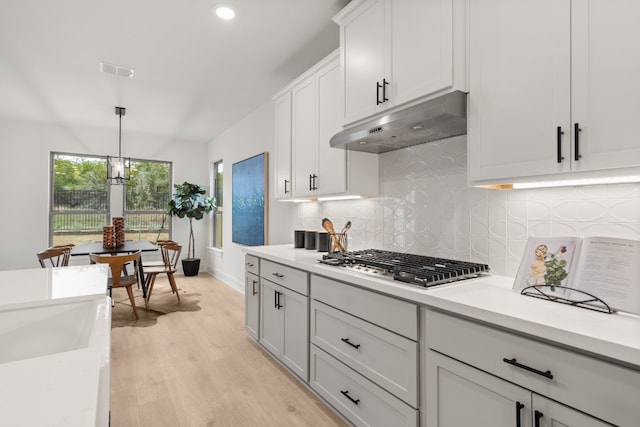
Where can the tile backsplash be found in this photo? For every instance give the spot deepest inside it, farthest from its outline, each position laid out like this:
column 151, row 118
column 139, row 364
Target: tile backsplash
column 426, row 207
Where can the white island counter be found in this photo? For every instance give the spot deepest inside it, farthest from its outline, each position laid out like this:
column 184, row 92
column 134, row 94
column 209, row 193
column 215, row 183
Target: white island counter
column 55, row 332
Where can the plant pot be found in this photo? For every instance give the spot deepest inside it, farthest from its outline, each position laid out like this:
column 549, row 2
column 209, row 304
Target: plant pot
column 190, row 266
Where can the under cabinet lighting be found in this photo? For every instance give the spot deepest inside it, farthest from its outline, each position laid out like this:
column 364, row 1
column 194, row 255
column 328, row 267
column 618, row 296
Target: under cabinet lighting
column 327, row 199
column 579, row 182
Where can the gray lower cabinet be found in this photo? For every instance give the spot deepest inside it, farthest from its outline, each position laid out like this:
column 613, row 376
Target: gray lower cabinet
column 284, row 316
column 503, row 379
column 364, row 353
column 252, row 296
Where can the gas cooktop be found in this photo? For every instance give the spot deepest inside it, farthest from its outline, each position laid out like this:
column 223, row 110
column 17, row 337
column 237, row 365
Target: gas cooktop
column 417, row 270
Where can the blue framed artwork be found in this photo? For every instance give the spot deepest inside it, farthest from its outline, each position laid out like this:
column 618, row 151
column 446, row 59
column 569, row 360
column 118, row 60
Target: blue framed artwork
column 249, row 200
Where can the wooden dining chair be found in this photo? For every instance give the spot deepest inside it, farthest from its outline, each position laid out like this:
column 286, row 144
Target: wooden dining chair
column 118, row 279
column 68, row 247
column 53, row 257
column 170, row 256
column 161, row 263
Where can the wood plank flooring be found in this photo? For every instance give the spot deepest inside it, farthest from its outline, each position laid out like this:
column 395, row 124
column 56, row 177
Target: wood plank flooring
column 200, row 368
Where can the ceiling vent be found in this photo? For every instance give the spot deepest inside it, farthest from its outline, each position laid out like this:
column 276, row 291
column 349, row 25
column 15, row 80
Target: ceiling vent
column 116, row 70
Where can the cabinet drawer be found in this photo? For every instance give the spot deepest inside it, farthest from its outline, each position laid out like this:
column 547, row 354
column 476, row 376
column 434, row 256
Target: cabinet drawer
column 251, row 264
column 600, row 388
column 290, row 278
column 388, row 359
column 358, row 399
column 390, row 313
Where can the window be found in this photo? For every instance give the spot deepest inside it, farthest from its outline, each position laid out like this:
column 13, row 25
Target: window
column 217, row 193
column 79, row 201
column 147, row 196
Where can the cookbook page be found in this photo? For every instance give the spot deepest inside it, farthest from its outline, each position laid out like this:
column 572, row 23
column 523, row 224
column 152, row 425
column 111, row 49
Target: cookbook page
column 547, row 261
column 609, row 268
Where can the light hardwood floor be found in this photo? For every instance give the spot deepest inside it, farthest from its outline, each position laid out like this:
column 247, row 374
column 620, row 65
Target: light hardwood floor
column 200, row 368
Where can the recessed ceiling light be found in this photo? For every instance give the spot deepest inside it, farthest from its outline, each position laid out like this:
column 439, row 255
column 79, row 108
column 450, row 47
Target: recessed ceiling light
column 224, row 12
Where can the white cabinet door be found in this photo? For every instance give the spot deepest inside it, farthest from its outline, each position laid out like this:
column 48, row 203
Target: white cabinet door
column 270, row 318
column 295, row 336
column 304, row 137
column 252, row 304
column 421, row 48
column 459, row 395
column 548, row 413
column 605, row 83
column 519, row 85
column 282, row 146
column 362, row 40
column 332, row 162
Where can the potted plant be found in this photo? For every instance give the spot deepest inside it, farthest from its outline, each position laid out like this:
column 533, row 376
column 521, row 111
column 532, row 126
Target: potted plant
column 189, row 200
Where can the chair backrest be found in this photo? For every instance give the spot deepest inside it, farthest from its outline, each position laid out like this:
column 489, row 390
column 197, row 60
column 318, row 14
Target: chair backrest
column 53, row 257
column 171, row 254
column 117, row 262
column 68, row 248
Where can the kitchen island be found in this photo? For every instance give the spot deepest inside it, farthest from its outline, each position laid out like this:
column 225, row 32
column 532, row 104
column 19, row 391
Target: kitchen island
column 486, row 312
column 55, row 331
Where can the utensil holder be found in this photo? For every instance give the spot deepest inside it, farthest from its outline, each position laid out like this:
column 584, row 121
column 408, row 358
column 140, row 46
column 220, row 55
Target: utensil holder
column 337, row 242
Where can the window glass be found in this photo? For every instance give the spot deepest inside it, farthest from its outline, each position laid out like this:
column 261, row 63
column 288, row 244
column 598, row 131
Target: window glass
column 218, row 194
column 147, row 196
column 79, row 202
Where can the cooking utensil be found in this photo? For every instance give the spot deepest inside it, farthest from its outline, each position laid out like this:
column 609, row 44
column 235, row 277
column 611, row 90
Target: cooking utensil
column 346, row 227
column 328, row 225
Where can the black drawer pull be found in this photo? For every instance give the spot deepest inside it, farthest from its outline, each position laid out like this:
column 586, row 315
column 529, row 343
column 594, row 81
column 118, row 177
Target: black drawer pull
column 519, row 407
column 278, row 275
column 346, row 340
column 285, row 186
column 346, row 394
column 253, row 290
column 514, row 362
column 249, row 264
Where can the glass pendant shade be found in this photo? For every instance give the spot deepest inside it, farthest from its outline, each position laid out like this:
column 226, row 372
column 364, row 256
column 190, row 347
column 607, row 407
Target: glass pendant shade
column 118, row 170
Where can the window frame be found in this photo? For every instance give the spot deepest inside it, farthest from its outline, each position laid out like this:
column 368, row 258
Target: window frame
column 167, row 218
column 219, row 212
column 52, row 212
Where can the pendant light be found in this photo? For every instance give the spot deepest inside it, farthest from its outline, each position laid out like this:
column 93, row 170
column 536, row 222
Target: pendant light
column 119, row 168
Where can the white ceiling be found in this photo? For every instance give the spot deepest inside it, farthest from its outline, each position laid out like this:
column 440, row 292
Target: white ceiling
column 195, row 75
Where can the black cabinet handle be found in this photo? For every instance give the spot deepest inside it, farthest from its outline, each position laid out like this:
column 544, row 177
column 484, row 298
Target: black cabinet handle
column 576, row 142
column 277, row 304
column 310, row 186
column 249, row 264
column 346, row 340
column 346, row 394
column 519, row 407
column 278, row 275
column 285, row 186
column 385, row 83
column 514, row 362
column 537, row 416
column 378, row 87
column 253, row 286
column 313, row 179
column 560, row 133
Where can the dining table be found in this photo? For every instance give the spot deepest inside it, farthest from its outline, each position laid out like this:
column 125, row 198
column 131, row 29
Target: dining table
column 129, row 247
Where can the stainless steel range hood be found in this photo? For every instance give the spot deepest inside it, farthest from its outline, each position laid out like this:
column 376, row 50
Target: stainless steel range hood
column 439, row 118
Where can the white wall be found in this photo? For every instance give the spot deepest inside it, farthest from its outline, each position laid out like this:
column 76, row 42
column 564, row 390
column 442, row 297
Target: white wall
column 25, row 155
column 251, row 136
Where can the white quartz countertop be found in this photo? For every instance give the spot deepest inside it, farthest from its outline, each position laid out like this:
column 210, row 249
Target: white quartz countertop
column 41, row 286
column 490, row 299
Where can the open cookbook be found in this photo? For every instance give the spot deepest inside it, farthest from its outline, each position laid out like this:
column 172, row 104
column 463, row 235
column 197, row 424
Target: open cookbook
column 605, row 267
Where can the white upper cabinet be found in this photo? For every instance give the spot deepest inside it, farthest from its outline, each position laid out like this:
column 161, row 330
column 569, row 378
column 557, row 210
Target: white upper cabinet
column 282, row 146
column 308, row 113
column 395, row 52
column 550, row 84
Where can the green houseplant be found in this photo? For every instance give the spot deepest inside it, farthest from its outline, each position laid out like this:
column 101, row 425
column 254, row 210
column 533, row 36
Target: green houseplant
column 190, row 201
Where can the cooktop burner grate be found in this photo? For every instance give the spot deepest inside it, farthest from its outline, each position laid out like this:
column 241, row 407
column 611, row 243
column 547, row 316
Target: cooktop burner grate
column 414, row 269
